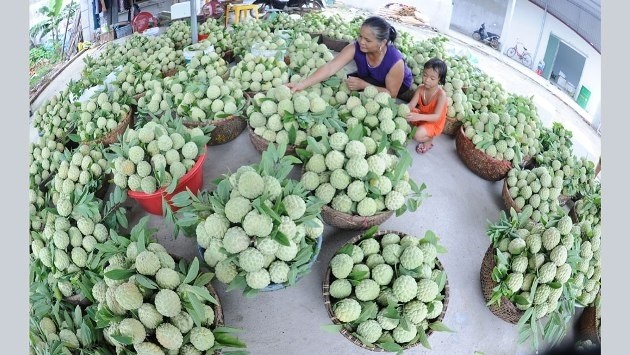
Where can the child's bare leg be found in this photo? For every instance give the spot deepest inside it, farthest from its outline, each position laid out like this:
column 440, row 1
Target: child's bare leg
column 422, row 135
column 425, row 141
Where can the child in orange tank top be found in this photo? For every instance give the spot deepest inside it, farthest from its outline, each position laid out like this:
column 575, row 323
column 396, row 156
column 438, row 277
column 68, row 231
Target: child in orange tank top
column 428, row 105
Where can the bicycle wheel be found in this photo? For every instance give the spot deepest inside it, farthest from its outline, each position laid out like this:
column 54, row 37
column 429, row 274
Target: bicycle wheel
column 526, row 59
column 511, row 52
column 312, row 4
column 476, row 36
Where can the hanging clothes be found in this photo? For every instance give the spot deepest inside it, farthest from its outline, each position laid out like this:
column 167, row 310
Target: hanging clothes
column 96, row 10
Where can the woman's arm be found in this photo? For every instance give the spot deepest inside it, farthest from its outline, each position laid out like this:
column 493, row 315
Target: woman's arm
column 430, row 117
column 394, row 78
column 327, row 70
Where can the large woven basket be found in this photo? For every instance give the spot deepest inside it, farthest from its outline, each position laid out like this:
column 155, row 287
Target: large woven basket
column 342, row 220
column 509, row 202
column 333, row 44
column 506, row 310
column 587, row 325
column 451, row 126
column 261, row 143
column 112, row 136
column 225, row 130
column 347, row 333
column 279, row 286
column 479, row 162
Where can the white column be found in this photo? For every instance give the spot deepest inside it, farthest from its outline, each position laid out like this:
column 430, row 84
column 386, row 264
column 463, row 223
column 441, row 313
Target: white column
column 507, row 23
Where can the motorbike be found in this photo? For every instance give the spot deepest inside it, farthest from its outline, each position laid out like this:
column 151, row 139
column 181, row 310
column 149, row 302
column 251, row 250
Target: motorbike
column 266, row 5
column 489, row 38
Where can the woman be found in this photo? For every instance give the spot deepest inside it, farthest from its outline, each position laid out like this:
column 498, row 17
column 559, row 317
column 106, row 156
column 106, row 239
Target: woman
column 378, row 61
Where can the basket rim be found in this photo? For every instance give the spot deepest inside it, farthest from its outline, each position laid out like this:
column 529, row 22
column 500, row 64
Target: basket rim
column 275, row 286
column 115, row 132
column 162, row 190
column 363, row 222
column 497, row 161
column 252, row 135
column 328, row 304
column 488, row 260
column 507, row 198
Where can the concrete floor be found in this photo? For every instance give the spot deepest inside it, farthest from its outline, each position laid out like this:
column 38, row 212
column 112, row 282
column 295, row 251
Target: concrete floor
column 460, row 207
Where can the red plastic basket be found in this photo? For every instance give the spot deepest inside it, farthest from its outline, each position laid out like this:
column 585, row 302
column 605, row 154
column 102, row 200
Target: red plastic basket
column 152, row 203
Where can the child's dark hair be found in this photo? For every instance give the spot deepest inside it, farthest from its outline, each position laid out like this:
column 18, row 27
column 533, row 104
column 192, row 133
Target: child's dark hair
column 381, row 28
column 439, row 66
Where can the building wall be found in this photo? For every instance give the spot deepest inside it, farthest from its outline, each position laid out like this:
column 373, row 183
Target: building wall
column 469, row 15
column 532, row 28
column 526, row 27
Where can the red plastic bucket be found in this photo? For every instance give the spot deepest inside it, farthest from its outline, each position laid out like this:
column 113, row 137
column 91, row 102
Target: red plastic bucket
column 152, row 203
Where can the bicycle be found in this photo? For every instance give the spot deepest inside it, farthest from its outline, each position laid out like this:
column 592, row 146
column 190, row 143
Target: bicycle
column 523, row 56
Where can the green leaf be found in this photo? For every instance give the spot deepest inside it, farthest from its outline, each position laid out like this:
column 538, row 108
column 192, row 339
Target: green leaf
column 368, row 311
column 146, row 282
column 119, row 274
column 440, row 327
column 422, row 338
column 197, row 312
column 281, row 239
column 126, row 340
column 521, row 300
column 332, row 328
column 192, row 271
column 358, row 275
column 390, row 346
column 228, row 340
column 204, row 279
column 238, row 283
column 370, row 232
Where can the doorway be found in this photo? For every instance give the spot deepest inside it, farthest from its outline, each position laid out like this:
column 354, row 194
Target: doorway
column 563, row 65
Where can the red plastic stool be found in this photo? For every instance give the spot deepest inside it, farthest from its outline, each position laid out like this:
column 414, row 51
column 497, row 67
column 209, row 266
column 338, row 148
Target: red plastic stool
column 143, row 20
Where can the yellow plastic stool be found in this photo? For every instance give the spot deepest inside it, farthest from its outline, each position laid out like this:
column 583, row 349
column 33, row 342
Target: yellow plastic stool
column 239, row 10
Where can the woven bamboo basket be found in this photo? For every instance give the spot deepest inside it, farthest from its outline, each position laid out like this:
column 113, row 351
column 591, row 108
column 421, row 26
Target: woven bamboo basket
column 333, row 44
column 479, row 162
column 347, row 333
column 573, row 215
column 588, row 325
column 506, row 310
column 218, row 310
column 225, row 130
column 112, row 136
column 451, row 126
column 279, row 286
column 509, row 202
column 261, row 144
column 342, row 220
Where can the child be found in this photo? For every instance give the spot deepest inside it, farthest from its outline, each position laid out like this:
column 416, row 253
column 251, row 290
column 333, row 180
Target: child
column 428, row 105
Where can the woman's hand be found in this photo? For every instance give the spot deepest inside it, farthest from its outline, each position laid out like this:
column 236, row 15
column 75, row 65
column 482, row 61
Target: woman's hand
column 355, row 83
column 295, row 87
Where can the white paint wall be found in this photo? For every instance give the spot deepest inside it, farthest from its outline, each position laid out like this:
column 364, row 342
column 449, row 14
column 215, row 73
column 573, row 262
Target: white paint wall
column 526, row 24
